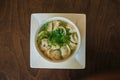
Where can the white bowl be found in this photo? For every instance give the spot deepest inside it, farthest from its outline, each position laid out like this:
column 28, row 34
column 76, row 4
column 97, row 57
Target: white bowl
column 62, row 19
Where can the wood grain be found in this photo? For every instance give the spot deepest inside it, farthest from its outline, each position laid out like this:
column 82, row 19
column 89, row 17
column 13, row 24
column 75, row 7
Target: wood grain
column 103, row 39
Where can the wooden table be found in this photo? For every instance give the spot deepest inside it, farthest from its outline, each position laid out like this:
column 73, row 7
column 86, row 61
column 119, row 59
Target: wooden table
column 102, row 48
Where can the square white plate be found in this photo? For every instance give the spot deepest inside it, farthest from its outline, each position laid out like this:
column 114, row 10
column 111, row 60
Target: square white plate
column 77, row 61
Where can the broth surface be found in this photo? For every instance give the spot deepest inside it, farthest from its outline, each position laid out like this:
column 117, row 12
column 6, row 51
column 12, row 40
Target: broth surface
column 57, row 40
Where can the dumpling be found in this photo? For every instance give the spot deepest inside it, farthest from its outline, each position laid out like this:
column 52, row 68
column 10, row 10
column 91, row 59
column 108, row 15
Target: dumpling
column 74, row 37
column 72, row 46
column 56, row 24
column 44, row 44
column 41, row 33
column 55, row 54
column 65, row 51
column 55, row 47
column 50, row 26
column 47, row 52
column 62, row 28
column 71, row 28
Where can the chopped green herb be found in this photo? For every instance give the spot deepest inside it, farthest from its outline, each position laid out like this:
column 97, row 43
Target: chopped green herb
column 56, row 37
column 44, row 27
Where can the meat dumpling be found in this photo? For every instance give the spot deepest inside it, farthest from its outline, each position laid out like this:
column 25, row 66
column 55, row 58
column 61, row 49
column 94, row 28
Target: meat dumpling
column 50, row 26
column 74, row 37
column 44, row 44
column 65, row 51
column 72, row 46
column 71, row 28
column 41, row 33
column 55, row 54
column 62, row 28
column 47, row 52
column 56, row 24
column 55, row 47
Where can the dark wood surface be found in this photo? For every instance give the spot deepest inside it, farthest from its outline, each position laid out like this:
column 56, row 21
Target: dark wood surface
column 102, row 48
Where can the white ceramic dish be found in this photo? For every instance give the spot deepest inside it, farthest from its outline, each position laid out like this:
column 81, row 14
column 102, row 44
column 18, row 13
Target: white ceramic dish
column 77, row 61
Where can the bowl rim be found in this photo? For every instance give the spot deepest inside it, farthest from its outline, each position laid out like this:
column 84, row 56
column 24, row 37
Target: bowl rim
column 62, row 19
